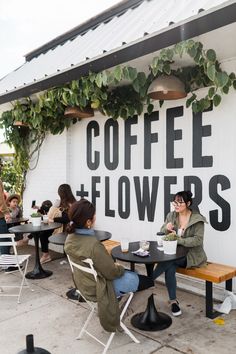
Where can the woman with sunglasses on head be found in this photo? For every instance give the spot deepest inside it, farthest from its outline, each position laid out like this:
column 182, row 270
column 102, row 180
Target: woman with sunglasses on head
column 188, row 224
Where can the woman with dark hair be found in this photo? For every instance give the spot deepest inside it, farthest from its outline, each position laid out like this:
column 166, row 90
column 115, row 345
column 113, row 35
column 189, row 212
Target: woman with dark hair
column 189, row 227
column 66, row 200
column 113, row 280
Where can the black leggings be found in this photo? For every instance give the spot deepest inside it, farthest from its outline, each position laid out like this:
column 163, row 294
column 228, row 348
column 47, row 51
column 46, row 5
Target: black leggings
column 44, row 240
column 145, row 282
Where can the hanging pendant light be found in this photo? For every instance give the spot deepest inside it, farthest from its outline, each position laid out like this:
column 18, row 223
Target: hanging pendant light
column 167, row 87
column 76, row 112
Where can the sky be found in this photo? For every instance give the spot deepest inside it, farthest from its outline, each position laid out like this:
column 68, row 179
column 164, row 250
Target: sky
column 27, row 24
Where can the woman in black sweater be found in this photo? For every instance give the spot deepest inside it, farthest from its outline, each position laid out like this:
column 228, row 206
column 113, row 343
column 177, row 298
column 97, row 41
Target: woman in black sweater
column 66, row 200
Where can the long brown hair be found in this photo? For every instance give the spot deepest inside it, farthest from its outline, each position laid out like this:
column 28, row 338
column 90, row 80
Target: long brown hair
column 66, row 196
column 79, row 213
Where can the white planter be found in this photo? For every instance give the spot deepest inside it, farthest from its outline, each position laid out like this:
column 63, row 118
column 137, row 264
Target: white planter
column 36, row 221
column 169, row 247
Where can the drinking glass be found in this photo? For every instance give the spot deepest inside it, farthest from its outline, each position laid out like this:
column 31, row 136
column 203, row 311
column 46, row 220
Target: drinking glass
column 124, row 244
column 144, row 245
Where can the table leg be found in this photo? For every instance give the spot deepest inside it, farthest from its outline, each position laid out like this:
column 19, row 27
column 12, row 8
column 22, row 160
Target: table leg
column 38, row 272
column 149, row 269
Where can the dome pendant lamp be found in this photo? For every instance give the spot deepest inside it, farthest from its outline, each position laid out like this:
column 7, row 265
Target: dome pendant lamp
column 166, row 87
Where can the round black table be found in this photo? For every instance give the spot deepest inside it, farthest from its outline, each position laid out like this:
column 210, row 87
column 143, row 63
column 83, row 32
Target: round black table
column 60, row 240
column 155, row 255
column 38, row 272
column 150, row 319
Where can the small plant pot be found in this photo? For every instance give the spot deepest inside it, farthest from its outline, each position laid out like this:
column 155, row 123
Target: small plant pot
column 169, row 247
column 36, row 221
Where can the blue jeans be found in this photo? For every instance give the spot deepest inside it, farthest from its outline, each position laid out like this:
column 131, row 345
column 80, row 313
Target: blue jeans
column 170, row 270
column 129, row 281
column 4, row 230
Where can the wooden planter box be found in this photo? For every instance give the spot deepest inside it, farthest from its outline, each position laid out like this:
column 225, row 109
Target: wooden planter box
column 75, row 112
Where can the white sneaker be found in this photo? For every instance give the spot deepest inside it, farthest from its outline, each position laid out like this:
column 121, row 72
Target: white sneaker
column 175, row 309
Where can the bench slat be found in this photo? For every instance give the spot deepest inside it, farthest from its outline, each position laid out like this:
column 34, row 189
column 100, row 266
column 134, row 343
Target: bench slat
column 109, row 244
column 212, row 272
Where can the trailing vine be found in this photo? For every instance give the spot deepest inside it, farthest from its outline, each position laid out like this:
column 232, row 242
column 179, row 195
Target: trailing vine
column 122, row 92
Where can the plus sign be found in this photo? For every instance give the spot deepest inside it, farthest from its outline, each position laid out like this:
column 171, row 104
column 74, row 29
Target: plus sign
column 82, row 193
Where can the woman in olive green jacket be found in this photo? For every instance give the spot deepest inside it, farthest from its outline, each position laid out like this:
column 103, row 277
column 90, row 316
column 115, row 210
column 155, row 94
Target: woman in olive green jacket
column 189, row 226
column 112, row 280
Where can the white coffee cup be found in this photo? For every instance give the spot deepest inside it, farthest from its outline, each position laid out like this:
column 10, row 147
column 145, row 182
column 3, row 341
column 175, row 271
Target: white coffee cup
column 45, row 219
column 124, row 244
column 159, row 240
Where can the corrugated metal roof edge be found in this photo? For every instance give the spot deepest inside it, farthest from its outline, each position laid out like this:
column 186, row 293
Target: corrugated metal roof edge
column 203, row 23
column 94, row 21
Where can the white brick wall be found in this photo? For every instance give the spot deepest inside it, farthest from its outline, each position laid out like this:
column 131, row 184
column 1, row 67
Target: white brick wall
column 42, row 183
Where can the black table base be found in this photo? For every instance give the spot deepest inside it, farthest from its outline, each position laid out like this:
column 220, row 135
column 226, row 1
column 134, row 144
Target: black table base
column 151, row 320
column 38, row 274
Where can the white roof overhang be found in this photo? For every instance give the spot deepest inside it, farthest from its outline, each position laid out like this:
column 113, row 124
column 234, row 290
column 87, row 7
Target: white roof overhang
column 216, row 28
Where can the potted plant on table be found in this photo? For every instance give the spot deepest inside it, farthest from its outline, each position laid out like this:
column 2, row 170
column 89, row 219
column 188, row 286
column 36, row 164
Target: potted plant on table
column 36, row 219
column 170, row 243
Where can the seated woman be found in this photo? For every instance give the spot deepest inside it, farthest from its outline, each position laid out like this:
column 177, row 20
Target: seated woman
column 16, row 213
column 13, row 204
column 189, row 226
column 113, row 280
column 57, row 213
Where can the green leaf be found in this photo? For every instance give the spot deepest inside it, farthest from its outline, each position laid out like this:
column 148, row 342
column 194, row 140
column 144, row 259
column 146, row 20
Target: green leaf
column 167, row 69
column 211, row 92
column 104, row 78
column 143, row 91
column 190, row 100
column 225, row 89
column 196, row 107
column 179, row 49
column 192, row 52
column 232, row 76
column 222, row 78
column 216, row 100
column 234, row 84
column 95, row 104
column 169, row 54
column 132, row 73
column 136, row 85
column 211, row 55
column 141, row 77
column 211, row 71
column 126, row 73
column 150, row 108
column 118, row 73
column 98, row 80
column 131, row 111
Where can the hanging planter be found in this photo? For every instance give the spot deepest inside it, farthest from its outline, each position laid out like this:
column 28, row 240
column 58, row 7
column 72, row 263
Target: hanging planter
column 18, row 123
column 76, row 112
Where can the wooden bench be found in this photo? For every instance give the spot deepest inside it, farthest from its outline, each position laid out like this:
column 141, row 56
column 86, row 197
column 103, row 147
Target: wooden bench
column 211, row 273
column 109, row 244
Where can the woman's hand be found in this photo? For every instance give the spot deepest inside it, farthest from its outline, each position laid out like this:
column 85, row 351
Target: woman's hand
column 170, row 227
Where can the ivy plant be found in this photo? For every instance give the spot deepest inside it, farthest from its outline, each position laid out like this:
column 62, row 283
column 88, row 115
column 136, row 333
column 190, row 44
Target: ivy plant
column 205, row 73
column 122, row 92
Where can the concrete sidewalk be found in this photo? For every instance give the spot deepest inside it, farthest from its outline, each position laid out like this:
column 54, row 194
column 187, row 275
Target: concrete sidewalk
column 55, row 321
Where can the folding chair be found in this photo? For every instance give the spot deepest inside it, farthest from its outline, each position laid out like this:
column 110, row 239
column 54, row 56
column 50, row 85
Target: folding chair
column 90, row 269
column 15, row 260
